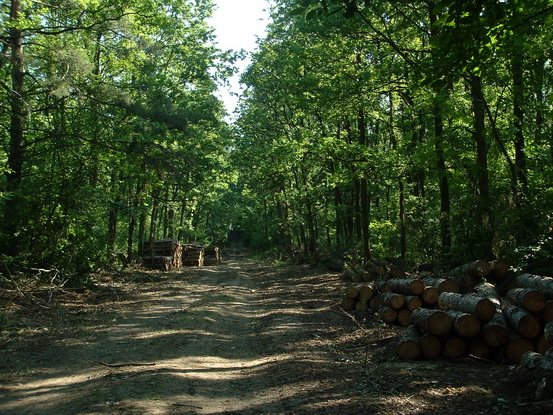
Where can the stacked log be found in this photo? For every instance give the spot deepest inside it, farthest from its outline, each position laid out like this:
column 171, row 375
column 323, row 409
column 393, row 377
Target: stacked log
column 212, row 256
column 164, row 263
column 469, row 275
column 164, row 254
column 459, row 313
column 193, row 255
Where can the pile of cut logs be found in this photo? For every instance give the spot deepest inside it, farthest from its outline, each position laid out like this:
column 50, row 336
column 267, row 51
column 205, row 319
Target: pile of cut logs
column 167, row 254
column 212, row 256
column 193, row 255
column 164, row 254
column 460, row 312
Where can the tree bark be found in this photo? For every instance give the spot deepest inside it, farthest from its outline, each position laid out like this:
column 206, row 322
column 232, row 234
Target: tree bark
column 484, row 211
column 487, row 290
column 525, row 323
column 439, row 94
column 363, row 194
column 527, row 298
column 483, row 308
column 444, row 285
column 518, row 116
column 548, row 332
column 407, row 286
column 470, row 274
column 542, row 284
column 13, row 205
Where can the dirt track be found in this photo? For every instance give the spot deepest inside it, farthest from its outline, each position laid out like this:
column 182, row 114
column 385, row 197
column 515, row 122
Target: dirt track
column 242, row 338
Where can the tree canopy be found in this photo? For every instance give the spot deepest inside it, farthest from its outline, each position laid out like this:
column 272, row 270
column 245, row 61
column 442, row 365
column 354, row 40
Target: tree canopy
column 412, row 129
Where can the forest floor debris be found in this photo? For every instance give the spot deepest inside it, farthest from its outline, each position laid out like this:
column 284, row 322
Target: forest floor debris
column 245, row 337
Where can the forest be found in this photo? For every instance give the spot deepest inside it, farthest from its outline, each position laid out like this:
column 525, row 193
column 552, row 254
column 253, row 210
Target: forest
column 419, row 130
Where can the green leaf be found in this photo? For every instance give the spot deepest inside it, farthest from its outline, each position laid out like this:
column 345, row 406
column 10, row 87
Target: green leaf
column 297, row 11
column 312, row 14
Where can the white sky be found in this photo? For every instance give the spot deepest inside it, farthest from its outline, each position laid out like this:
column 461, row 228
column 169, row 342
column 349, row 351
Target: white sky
column 237, row 23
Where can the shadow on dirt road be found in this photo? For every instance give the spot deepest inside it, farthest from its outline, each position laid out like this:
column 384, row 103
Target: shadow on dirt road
column 245, row 337
column 242, row 337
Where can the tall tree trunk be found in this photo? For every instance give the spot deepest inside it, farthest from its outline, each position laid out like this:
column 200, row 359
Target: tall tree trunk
column 445, row 207
column 338, row 214
column 165, row 218
column 538, row 73
column 130, row 237
column 285, row 236
column 484, row 218
column 112, row 215
column 440, row 93
column 311, row 228
column 402, row 231
column 518, row 117
column 12, row 217
column 363, row 194
column 402, row 227
column 154, row 215
column 266, row 223
column 141, row 220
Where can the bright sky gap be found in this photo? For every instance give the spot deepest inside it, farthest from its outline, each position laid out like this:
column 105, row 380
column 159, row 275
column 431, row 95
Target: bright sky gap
column 238, row 24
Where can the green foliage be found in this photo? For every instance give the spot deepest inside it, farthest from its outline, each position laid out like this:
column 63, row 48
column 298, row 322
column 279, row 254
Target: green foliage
column 125, row 137
column 406, row 67
column 357, row 122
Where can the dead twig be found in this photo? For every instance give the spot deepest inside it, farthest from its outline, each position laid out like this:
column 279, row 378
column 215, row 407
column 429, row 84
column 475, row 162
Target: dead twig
column 127, row 364
column 352, row 317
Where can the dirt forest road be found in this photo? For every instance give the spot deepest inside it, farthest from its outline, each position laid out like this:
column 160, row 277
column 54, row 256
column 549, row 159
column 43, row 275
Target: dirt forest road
column 245, row 337
column 228, row 339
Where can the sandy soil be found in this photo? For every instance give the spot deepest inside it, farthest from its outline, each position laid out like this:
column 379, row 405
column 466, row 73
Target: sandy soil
column 244, row 337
